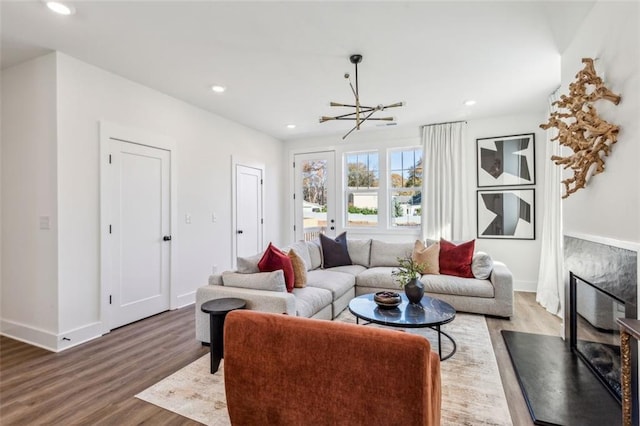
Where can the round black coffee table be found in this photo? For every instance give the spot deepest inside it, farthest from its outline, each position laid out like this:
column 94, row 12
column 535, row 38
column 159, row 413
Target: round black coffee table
column 218, row 310
column 431, row 313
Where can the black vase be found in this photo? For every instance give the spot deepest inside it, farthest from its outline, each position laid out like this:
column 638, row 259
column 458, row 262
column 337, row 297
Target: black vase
column 414, row 290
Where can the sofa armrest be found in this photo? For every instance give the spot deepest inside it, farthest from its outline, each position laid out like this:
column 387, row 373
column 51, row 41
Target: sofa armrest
column 257, row 300
column 502, row 281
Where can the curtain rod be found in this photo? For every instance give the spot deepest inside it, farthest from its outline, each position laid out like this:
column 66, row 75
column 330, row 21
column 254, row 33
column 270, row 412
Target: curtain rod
column 445, row 122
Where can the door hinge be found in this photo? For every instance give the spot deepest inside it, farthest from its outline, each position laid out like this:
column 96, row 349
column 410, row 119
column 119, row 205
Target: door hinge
column 109, row 158
column 294, row 196
column 109, row 228
column 109, row 299
column 261, row 221
column 294, row 164
column 261, row 182
column 294, row 227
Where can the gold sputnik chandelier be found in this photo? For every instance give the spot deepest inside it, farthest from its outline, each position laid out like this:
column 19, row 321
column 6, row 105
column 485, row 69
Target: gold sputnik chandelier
column 361, row 113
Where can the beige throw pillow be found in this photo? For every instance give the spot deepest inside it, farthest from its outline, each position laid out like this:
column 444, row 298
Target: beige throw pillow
column 428, row 256
column 299, row 269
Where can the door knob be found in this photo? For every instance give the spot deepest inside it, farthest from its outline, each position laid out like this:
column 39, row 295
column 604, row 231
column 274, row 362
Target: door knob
column 166, row 238
column 240, row 231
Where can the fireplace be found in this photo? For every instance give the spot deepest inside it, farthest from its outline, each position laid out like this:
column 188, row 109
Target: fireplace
column 594, row 335
column 602, row 286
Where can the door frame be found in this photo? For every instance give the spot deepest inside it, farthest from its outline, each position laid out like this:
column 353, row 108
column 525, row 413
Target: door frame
column 109, row 131
column 245, row 162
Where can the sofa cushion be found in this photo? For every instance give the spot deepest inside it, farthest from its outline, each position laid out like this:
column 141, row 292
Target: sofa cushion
column 299, row 269
column 427, row 256
column 377, row 277
column 311, row 300
column 359, row 251
column 481, row 265
column 302, row 250
column 272, row 281
column 447, row 284
column 248, row 265
column 338, row 283
column 315, row 253
column 349, row 269
column 272, row 260
column 456, row 259
column 335, row 251
column 387, row 254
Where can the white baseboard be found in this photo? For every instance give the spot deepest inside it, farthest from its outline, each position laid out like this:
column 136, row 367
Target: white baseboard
column 79, row 335
column 185, row 300
column 48, row 340
column 34, row 336
column 528, row 286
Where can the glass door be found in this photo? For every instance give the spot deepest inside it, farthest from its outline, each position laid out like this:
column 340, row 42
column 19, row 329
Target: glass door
column 314, row 197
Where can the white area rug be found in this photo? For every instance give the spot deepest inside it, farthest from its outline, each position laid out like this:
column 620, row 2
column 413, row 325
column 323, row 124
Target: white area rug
column 472, row 392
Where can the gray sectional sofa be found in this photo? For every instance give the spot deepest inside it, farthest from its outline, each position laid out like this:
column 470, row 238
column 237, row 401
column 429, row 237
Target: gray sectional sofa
column 328, row 291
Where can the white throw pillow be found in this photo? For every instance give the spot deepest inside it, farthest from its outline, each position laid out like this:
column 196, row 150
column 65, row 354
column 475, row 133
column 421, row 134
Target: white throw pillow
column 481, row 265
column 272, row 281
column 248, row 265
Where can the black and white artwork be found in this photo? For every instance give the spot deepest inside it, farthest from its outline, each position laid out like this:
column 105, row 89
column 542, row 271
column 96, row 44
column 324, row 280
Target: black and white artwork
column 506, row 160
column 506, row 214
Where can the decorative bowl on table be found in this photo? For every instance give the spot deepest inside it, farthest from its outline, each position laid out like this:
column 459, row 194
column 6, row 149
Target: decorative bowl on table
column 387, row 299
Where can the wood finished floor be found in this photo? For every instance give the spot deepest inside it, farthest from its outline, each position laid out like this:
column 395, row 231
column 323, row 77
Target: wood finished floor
column 96, row 383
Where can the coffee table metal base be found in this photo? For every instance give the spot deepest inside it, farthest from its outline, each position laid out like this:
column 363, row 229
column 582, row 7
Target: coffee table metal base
column 441, row 333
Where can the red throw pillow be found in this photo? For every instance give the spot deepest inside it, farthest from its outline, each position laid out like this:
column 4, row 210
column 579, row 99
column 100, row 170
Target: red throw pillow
column 272, row 260
column 456, row 260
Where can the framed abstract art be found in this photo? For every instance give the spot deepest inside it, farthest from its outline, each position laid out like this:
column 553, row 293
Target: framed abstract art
column 506, row 160
column 507, row 214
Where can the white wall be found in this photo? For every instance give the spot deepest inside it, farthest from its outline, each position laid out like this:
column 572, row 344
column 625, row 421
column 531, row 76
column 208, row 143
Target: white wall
column 204, row 143
column 29, row 261
column 521, row 256
column 610, row 204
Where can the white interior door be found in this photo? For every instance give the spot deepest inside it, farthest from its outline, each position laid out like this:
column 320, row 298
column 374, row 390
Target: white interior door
column 140, row 231
column 248, row 211
column 314, row 197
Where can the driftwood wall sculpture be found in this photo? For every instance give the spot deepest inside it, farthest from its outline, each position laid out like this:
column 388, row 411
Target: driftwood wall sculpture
column 581, row 129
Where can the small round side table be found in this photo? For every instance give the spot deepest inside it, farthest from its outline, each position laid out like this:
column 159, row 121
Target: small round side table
column 218, row 310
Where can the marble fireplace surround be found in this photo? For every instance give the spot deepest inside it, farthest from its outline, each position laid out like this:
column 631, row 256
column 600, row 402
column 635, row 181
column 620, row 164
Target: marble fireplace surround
column 606, row 263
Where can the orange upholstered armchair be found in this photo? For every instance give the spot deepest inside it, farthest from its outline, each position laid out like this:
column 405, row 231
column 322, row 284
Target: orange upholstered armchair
column 284, row 370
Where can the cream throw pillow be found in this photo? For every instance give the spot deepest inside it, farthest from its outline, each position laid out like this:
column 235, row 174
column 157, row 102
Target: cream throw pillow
column 299, row 269
column 428, row 256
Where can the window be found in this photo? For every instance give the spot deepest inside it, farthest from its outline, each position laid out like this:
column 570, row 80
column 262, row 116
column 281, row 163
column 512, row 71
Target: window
column 363, row 185
column 405, row 187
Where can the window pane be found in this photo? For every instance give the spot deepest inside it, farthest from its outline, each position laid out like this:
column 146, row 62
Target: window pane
column 396, row 160
column 314, row 192
column 406, row 208
column 362, row 209
column 362, row 170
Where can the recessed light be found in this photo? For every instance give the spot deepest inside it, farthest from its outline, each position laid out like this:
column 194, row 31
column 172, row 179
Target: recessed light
column 470, row 102
column 291, row 126
column 60, row 8
column 218, row 89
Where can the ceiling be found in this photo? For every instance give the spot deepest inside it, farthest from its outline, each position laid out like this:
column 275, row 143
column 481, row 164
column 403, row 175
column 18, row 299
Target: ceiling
column 282, row 62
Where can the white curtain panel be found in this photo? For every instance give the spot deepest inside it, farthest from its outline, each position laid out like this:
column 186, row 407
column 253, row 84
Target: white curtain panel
column 445, row 210
column 550, row 291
